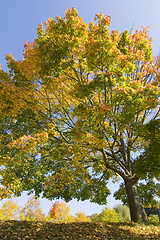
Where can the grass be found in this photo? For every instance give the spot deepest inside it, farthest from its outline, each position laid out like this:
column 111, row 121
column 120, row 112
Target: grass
column 18, row 230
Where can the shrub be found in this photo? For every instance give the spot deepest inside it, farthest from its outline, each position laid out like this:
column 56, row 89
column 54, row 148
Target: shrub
column 153, row 219
column 123, row 212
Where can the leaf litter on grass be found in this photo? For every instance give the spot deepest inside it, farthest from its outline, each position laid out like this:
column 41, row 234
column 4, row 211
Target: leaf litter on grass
column 18, row 230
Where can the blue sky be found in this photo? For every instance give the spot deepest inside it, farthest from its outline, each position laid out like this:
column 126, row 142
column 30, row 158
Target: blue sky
column 19, row 20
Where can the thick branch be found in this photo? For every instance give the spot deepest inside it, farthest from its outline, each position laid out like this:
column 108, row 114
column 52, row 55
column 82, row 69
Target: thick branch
column 108, row 165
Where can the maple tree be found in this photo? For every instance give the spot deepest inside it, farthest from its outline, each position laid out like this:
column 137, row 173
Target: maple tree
column 85, row 95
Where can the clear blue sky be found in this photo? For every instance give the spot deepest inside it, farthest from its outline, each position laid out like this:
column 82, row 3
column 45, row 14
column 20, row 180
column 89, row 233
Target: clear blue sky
column 19, row 20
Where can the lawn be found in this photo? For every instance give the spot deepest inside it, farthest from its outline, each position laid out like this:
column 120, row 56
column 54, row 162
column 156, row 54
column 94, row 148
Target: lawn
column 77, row 231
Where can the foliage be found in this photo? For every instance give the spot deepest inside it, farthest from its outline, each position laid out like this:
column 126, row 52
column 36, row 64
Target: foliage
column 32, row 210
column 60, row 213
column 93, row 216
column 55, row 211
column 9, row 211
column 107, row 215
column 81, row 217
column 74, row 111
column 148, row 163
column 148, row 191
column 151, row 211
column 153, row 218
column 76, row 231
column 123, row 212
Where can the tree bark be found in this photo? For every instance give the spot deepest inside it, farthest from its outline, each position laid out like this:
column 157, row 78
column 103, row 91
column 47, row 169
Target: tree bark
column 135, row 205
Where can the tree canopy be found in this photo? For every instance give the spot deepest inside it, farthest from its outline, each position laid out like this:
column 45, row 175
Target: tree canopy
column 75, row 108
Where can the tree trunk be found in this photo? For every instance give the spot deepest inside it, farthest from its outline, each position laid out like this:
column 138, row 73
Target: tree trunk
column 135, row 205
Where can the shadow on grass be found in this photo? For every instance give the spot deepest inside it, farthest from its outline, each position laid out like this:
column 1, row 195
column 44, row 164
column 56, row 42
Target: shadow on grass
column 16, row 230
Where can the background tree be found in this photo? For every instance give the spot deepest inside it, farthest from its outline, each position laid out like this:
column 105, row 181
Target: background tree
column 55, row 211
column 87, row 95
column 9, row 211
column 81, row 217
column 32, row 210
column 60, row 213
column 93, row 216
column 123, row 212
column 107, row 215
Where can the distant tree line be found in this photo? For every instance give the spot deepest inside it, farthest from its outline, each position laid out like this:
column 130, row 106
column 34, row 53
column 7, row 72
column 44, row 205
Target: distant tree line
column 60, row 213
column 32, row 211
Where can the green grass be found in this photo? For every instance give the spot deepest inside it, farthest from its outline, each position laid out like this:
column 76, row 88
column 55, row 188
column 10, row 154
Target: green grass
column 16, row 230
